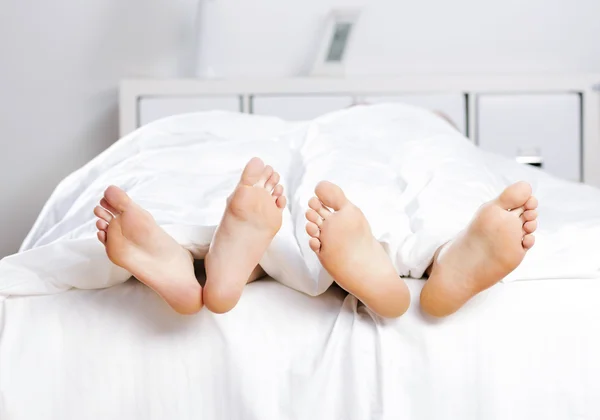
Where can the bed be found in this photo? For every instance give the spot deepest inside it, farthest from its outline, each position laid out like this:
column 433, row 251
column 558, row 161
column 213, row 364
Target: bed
column 80, row 340
column 523, row 350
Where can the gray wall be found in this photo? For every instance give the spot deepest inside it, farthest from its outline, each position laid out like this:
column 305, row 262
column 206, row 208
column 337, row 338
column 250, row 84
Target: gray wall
column 59, row 67
column 59, row 71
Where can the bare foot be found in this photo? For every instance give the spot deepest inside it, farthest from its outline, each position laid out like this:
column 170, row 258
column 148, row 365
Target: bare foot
column 251, row 220
column 351, row 255
column 135, row 242
column 492, row 246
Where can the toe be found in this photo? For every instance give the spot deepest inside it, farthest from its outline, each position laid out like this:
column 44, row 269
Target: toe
column 264, row 177
column 312, row 229
column 514, row 196
column 101, row 225
column 281, row 202
column 529, row 215
column 252, row 172
column 272, row 182
column 313, row 216
column 531, row 204
column 530, row 227
column 101, row 236
column 314, row 244
column 117, row 199
column 317, row 206
column 314, row 203
column 518, row 211
column 528, row 241
column 103, row 214
column 108, row 207
column 278, row 190
column 331, row 195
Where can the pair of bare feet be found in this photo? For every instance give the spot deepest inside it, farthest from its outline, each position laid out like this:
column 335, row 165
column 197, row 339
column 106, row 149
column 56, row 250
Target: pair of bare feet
column 494, row 244
column 135, row 242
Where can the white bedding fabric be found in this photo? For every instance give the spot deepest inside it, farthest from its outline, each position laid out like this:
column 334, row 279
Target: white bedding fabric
column 525, row 349
column 416, row 178
column 522, row 351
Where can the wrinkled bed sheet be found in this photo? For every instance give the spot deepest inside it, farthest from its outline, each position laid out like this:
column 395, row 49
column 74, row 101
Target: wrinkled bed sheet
column 417, row 180
column 520, row 351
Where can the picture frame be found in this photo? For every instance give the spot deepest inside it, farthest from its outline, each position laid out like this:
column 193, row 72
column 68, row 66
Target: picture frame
column 334, row 45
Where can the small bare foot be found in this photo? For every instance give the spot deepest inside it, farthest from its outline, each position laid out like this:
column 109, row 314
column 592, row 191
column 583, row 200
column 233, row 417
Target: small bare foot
column 343, row 241
column 135, row 242
column 251, row 220
column 492, row 246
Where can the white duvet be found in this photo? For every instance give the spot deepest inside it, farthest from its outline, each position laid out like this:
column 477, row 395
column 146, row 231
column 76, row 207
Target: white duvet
column 523, row 350
column 417, row 180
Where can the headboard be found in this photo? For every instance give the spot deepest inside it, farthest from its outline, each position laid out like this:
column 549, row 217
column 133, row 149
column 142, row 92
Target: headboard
column 494, row 111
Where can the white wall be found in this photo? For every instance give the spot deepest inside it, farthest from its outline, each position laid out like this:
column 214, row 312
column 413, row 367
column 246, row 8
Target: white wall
column 407, row 36
column 59, row 67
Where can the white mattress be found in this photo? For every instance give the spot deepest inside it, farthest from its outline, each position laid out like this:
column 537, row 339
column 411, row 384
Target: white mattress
column 524, row 350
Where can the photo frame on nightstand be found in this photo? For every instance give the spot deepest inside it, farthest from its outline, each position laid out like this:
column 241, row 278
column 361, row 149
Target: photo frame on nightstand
column 333, row 47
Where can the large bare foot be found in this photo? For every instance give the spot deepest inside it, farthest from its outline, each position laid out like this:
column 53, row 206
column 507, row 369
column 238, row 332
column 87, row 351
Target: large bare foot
column 343, row 241
column 492, row 246
column 135, row 242
column 251, row 220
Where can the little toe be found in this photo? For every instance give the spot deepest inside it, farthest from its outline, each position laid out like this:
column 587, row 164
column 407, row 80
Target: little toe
column 252, row 172
column 314, row 244
column 530, row 227
column 313, row 230
column 528, row 241
column 101, row 236
column 266, row 174
column 101, row 225
column 117, row 199
column 272, row 182
column 514, row 196
column 281, row 202
column 317, row 206
column 278, row 190
column 529, row 215
column 531, row 204
column 103, row 214
column 313, row 216
column 331, row 195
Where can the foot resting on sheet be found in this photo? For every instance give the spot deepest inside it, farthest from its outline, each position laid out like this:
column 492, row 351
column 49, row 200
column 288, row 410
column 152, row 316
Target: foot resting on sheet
column 251, row 220
column 492, row 246
column 135, row 242
column 343, row 241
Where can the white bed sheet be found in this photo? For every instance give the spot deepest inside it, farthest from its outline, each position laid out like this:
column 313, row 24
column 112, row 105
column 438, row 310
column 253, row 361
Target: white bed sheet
column 523, row 350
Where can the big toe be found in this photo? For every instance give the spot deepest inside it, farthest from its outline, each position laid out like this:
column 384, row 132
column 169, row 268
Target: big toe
column 515, row 196
column 117, row 198
column 331, row 195
column 253, row 171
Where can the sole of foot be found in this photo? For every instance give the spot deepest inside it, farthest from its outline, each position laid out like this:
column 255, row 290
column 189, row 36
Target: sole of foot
column 490, row 248
column 342, row 239
column 134, row 241
column 252, row 218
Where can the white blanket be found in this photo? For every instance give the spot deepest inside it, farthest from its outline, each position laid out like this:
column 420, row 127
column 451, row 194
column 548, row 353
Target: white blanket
column 417, row 180
column 522, row 350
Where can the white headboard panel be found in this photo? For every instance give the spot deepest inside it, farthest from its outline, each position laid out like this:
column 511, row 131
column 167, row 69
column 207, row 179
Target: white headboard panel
column 239, row 95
